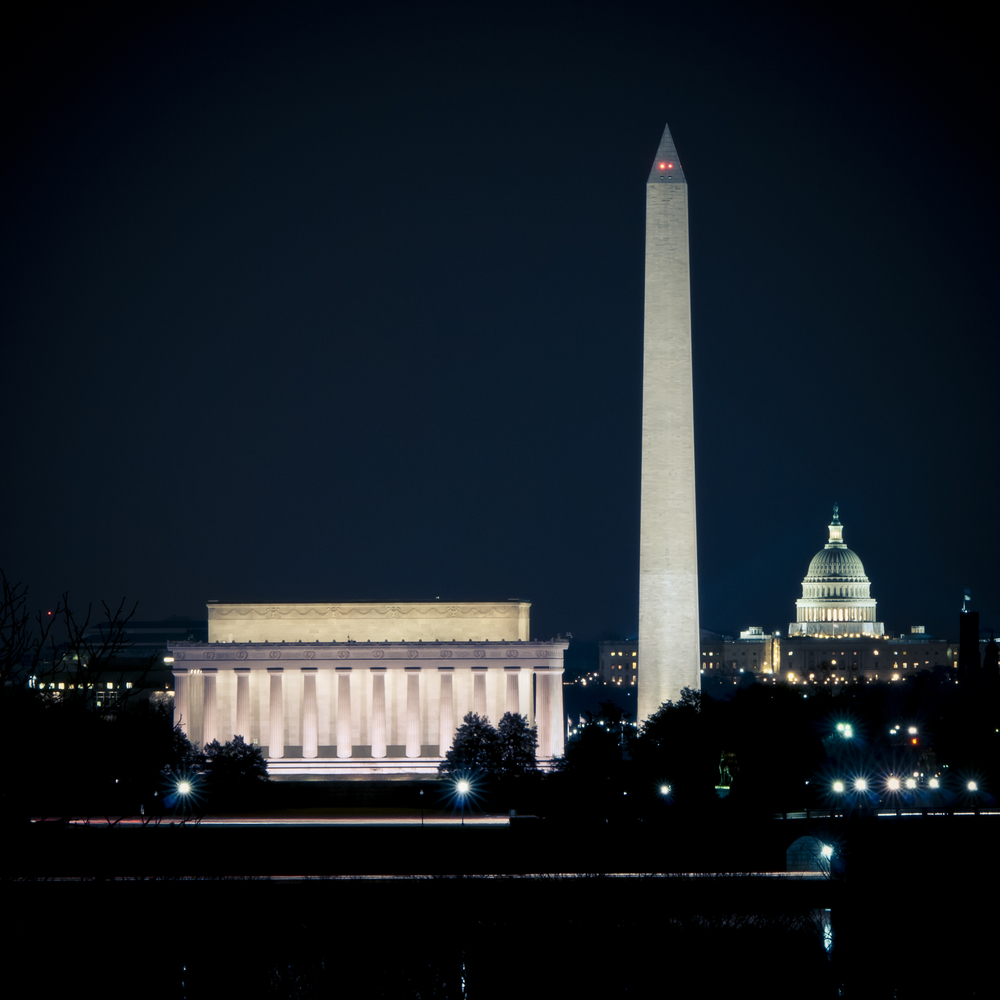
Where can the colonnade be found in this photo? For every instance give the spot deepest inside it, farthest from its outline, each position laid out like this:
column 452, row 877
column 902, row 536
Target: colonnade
column 438, row 686
column 837, row 615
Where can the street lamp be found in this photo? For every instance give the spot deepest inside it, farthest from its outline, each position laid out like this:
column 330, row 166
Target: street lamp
column 861, row 784
column 183, row 791
column 838, row 787
column 463, row 789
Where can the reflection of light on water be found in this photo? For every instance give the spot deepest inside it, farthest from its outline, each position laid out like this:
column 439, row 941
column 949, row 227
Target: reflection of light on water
column 827, row 933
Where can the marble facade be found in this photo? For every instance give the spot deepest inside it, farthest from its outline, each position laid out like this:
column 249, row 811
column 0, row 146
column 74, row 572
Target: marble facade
column 288, row 678
column 669, row 631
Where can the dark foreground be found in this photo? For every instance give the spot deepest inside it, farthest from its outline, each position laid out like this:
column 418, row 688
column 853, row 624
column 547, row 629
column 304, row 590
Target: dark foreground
column 525, row 910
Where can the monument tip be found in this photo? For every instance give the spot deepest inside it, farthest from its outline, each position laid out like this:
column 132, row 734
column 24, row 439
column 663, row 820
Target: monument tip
column 667, row 165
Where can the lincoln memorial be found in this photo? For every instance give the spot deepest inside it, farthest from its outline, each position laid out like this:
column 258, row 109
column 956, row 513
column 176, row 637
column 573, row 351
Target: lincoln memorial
column 364, row 689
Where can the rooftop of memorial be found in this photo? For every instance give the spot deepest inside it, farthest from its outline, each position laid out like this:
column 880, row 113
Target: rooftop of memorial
column 375, row 621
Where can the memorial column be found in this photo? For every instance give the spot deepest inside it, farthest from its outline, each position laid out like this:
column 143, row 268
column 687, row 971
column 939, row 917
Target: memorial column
column 446, row 716
column 343, row 712
column 210, row 712
column 413, row 712
column 378, row 712
column 310, row 721
column 513, row 690
column 243, row 703
column 276, row 713
column 543, row 714
column 479, row 691
column 558, row 722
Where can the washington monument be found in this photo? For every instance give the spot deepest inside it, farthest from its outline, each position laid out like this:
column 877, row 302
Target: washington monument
column 669, row 636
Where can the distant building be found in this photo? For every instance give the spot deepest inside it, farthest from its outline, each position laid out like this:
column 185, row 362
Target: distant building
column 618, row 663
column 868, row 660
column 755, row 652
column 140, row 670
column 366, row 689
column 836, row 594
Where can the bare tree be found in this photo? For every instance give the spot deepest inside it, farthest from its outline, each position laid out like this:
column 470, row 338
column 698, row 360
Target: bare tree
column 20, row 644
column 66, row 658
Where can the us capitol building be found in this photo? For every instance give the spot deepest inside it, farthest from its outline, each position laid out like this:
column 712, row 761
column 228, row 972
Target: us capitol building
column 836, row 595
column 835, row 639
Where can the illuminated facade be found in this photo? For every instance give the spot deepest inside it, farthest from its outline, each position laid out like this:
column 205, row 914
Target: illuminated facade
column 836, row 594
column 864, row 660
column 668, row 542
column 364, row 689
column 825, row 660
column 618, row 663
column 754, row 652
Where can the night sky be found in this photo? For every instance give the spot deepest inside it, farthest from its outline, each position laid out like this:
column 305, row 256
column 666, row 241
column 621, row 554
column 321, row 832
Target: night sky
column 309, row 302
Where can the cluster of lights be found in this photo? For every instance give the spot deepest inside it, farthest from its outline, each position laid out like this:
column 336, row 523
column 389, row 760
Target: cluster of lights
column 846, row 730
column 895, row 784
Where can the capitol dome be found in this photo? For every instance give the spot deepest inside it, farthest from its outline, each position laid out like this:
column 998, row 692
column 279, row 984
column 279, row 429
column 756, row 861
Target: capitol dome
column 835, row 564
column 836, row 593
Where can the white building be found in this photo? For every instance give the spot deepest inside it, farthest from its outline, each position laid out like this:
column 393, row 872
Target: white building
column 836, row 594
column 364, row 688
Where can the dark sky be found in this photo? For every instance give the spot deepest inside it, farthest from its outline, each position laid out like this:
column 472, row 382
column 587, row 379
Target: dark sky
column 308, row 302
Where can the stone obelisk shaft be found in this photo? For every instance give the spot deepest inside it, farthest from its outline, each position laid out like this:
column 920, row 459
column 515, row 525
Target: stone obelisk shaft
column 669, row 637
